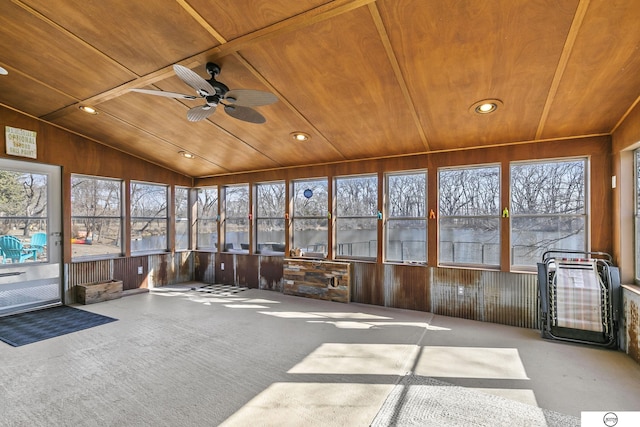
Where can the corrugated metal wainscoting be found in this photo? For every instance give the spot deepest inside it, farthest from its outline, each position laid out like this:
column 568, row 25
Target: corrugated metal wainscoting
column 138, row 272
column 490, row 296
column 252, row 271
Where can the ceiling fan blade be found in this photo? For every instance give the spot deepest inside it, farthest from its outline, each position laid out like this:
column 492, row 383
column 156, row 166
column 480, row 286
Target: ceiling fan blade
column 194, row 80
column 244, row 113
column 196, row 114
column 164, row 93
column 249, row 97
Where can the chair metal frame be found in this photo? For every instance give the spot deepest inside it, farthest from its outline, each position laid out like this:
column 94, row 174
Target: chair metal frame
column 594, row 266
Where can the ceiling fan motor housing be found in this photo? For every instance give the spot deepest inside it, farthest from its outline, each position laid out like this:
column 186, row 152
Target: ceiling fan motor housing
column 214, row 71
column 213, row 100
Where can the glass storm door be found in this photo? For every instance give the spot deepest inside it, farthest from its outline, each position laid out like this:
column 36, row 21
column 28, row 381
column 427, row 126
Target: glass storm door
column 30, row 236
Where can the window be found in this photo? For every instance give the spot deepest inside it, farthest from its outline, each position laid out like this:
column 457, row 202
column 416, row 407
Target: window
column 149, row 217
column 547, row 209
column 310, row 217
column 469, row 207
column 406, row 217
column 181, row 219
column 96, row 216
column 236, row 219
column 23, row 213
column 270, row 223
column 637, row 211
column 357, row 216
column 207, row 218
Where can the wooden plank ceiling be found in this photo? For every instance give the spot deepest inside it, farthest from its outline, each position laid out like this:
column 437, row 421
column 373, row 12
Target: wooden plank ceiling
column 364, row 78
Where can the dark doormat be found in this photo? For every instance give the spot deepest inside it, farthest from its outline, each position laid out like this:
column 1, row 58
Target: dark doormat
column 34, row 326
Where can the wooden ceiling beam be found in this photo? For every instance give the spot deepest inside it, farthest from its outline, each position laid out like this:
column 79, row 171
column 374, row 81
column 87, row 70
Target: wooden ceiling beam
column 285, row 101
column 576, row 24
column 393, row 60
column 200, row 20
column 321, row 13
column 626, row 113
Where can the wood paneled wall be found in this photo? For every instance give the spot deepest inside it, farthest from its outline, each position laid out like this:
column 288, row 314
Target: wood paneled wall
column 79, row 155
column 626, row 138
column 627, row 134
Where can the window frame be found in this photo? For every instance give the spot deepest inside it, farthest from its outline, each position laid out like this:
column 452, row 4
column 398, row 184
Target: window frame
column 178, row 219
column 490, row 217
column 375, row 218
column 636, row 213
column 320, row 218
column 515, row 215
column 147, row 218
column 269, row 248
column 200, row 218
column 243, row 217
column 389, row 217
column 120, row 219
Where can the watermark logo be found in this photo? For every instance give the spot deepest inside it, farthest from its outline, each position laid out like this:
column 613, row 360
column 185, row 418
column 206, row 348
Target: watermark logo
column 610, row 419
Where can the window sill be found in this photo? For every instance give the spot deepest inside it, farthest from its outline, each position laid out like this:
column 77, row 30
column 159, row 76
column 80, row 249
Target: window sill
column 632, row 288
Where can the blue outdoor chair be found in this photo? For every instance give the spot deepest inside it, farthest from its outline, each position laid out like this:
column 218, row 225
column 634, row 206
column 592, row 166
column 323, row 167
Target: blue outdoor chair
column 38, row 243
column 12, row 248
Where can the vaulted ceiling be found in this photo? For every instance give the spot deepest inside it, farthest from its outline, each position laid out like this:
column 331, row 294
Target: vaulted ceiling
column 364, row 78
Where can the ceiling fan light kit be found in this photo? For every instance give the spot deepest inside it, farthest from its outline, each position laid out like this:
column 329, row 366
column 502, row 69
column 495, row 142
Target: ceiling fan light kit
column 237, row 103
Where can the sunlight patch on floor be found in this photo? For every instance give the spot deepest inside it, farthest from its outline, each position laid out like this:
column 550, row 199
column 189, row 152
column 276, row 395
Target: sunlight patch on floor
column 256, row 306
column 376, row 325
column 344, row 358
column 360, row 316
column 519, row 395
column 470, row 362
column 312, row 404
column 291, row 314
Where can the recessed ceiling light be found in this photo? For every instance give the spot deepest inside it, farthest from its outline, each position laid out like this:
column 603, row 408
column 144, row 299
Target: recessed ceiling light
column 88, row 109
column 485, row 106
column 187, row 155
column 3, row 71
column 300, row 136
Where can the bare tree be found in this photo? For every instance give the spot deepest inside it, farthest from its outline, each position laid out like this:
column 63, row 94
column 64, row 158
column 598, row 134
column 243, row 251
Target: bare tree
column 208, row 202
column 547, row 207
column 357, row 196
column 271, row 200
column 316, row 204
column 96, row 204
column 23, row 196
column 407, row 195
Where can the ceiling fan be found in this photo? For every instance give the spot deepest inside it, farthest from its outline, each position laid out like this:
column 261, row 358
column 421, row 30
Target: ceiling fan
column 237, row 103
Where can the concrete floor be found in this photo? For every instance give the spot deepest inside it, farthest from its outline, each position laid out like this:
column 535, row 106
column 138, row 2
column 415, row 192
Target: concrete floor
column 179, row 357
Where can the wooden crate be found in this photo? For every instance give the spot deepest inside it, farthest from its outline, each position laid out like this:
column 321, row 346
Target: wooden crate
column 90, row 293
